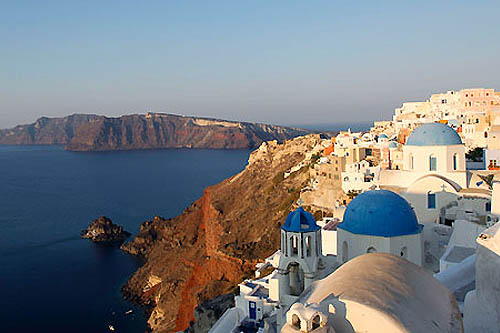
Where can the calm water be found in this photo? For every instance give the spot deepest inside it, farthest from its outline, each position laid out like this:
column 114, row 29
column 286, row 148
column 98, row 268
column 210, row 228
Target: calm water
column 50, row 279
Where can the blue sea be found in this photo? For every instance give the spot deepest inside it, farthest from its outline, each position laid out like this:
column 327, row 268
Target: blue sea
column 51, row 280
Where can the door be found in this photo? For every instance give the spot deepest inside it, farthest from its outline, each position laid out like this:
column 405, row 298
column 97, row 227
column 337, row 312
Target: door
column 252, row 310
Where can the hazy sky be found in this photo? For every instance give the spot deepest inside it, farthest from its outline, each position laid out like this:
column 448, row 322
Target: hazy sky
column 285, row 62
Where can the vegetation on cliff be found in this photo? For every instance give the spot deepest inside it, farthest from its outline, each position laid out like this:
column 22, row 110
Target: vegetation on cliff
column 216, row 242
column 150, row 131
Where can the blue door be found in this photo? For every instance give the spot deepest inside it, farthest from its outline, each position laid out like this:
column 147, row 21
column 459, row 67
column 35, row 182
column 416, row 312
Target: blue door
column 252, row 309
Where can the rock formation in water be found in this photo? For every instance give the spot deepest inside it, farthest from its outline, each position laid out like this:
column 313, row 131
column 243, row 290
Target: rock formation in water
column 103, row 230
column 216, row 242
column 150, row 131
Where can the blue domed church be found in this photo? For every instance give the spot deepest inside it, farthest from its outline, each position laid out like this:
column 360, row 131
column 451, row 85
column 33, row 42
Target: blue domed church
column 380, row 221
column 434, row 176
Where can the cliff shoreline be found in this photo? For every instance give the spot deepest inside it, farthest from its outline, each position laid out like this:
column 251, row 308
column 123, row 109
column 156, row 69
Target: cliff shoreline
column 216, row 242
column 87, row 132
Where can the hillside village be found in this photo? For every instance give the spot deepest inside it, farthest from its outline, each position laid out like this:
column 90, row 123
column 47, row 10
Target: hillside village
column 407, row 239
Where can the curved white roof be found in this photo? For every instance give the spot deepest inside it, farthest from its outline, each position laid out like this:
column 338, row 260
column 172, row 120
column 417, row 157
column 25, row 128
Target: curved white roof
column 393, row 286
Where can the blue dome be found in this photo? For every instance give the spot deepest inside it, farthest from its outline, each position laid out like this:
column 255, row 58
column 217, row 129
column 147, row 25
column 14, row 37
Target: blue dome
column 434, row 134
column 380, row 213
column 382, row 136
column 300, row 221
column 393, row 144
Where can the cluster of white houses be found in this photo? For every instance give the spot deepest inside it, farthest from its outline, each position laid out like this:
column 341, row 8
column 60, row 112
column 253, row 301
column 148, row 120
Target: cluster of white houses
column 474, row 114
column 417, row 251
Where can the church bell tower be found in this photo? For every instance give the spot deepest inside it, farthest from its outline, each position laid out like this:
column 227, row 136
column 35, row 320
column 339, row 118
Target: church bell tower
column 301, row 259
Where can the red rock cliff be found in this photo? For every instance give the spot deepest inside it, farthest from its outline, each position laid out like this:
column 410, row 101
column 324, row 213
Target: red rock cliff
column 215, row 243
column 149, row 131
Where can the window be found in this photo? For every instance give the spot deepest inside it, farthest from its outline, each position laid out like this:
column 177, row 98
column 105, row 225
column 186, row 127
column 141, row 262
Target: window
column 432, row 163
column 488, row 206
column 286, row 244
column 316, row 322
column 431, row 200
column 295, row 246
column 404, row 252
column 485, row 134
column 308, row 246
column 466, row 95
column 455, row 162
column 443, row 101
column 411, row 162
column 345, row 254
column 296, row 321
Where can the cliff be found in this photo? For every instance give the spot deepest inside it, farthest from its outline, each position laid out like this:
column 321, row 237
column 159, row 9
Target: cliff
column 150, row 131
column 216, row 242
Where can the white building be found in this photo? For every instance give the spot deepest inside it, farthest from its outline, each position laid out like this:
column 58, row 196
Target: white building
column 434, row 174
column 375, row 292
column 359, row 176
column 481, row 308
column 309, row 292
column 470, row 111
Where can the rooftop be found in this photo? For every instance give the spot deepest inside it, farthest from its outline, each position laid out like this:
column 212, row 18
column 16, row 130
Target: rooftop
column 300, row 221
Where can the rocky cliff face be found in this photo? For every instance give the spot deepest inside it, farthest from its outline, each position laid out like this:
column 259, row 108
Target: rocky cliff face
column 216, row 242
column 150, row 131
column 46, row 131
column 102, row 230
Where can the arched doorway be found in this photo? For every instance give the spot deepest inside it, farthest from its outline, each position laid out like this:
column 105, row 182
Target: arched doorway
column 295, row 279
column 345, row 254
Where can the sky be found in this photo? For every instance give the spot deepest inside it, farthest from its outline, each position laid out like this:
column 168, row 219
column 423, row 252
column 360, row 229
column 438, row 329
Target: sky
column 284, row 62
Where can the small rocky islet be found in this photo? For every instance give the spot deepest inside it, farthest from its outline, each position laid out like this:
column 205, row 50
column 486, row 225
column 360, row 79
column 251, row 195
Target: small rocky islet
column 103, row 230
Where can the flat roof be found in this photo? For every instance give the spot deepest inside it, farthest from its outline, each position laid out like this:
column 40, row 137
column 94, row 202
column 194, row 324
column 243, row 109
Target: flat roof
column 459, row 253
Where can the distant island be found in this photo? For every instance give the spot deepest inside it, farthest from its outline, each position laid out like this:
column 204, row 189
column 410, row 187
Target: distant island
column 88, row 132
